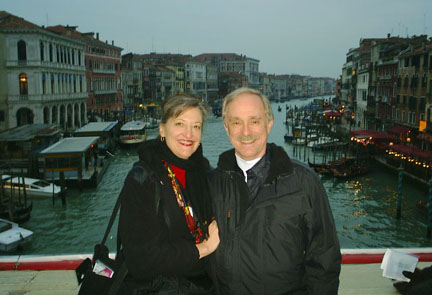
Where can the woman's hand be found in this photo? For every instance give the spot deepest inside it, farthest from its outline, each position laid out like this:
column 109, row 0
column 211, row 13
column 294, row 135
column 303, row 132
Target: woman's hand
column 209, row 245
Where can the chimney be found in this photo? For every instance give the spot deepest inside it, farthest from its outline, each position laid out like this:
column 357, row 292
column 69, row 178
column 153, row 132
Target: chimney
column 112, row 42
column 388, row 36
column 97, row 36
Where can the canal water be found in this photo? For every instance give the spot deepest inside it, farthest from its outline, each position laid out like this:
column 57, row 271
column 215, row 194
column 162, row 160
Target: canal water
column 364, row 207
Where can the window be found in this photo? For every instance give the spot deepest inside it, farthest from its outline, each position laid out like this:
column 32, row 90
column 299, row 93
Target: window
column 79, row 58
column 422, row 104
column 430, row 87
column 52, row 83
column 43, row 83
column 412, row 117
column 50, row 53
column 403, row 116
column 22, row 50
column 23, row 84
column 406, row 81
column 42, row 57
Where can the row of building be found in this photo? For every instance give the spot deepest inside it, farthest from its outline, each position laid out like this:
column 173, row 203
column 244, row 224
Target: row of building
column 387, row 82
column 58, row 75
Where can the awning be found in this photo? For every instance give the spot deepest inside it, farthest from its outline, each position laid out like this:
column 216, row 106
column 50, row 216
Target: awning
column 398, row 129
column 376, row 135
column 412, row 151
column 332, row 113
column 425, row 136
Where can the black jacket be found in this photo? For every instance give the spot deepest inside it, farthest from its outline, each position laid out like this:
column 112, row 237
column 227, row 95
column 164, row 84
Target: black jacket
column 156, row 242
column 285, row 241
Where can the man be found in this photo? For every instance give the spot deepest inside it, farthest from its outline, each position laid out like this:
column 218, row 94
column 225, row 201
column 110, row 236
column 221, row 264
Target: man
column 277, row 234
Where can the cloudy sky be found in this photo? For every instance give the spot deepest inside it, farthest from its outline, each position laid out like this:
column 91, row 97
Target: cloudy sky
column 309, row 37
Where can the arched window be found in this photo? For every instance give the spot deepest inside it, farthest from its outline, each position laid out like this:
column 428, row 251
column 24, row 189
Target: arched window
column 23, row 84
column 42, row 55
column 50, row 53
column 22, row 51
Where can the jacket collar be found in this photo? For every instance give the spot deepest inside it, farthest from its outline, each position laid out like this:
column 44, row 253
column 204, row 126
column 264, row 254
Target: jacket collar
column 280, row 163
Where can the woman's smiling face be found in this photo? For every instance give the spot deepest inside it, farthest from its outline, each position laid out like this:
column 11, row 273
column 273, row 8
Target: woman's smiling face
column 183, row 133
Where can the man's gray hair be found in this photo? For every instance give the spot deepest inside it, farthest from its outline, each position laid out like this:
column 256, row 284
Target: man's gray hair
column 246, row 90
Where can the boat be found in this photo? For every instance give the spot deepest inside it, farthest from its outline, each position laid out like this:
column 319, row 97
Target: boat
column 12, row 236
column 288, row 138
column 422, row 207
column 133, row 132
column 152, row 123
column 18, row 212
column 29, row 187
column 76, row 160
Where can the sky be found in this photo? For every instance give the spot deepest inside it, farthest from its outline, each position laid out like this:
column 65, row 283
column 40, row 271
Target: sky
column 309, row 37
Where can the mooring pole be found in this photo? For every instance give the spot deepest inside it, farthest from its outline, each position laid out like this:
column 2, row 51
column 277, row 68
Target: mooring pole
column 62, row 187
column 399, row 201
column 429, row 206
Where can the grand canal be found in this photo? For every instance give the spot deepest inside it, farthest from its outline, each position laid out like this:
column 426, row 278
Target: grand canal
column 364, row 208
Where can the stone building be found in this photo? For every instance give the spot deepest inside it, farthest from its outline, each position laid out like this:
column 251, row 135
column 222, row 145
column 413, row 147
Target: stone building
column 103, row 73
column 42, row 76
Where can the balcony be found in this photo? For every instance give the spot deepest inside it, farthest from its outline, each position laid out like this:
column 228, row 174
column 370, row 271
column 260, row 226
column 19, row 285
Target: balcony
column 105, row 91
column 103, row 71
column 47, row 97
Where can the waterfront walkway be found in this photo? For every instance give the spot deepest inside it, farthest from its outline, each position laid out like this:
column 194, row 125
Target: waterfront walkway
column 355, row 279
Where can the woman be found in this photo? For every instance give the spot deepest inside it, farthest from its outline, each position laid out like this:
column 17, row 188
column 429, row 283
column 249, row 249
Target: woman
column 165, row 226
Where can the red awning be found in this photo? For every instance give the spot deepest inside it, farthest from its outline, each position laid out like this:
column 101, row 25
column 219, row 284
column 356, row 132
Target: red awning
column 425, row 137
column 412, row 151
column 332, row 113
column 376, row 135
column 398, row 129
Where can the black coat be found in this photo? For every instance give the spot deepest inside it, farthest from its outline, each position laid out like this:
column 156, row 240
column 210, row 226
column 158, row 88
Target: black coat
column 156, row 242
column 285, row 241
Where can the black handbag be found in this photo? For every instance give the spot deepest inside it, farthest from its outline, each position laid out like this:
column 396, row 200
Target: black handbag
column 102, row 275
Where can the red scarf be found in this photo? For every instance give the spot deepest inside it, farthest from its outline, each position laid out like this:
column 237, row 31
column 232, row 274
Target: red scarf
column 176, row 175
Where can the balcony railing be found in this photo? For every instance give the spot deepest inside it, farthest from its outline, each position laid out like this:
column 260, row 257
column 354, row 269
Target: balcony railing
column 103, row 71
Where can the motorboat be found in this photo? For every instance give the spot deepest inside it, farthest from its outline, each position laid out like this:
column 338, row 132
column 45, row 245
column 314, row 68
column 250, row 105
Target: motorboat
column 133, row 132
column 29, row 187
column 12, row 236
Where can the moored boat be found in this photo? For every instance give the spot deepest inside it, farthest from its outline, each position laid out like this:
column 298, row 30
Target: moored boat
column 133, row 132
column 29, row 187
column 18, row 212
column 12, row 236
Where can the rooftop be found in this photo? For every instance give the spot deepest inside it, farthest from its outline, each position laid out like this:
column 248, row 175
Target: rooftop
column 71, row 145
column 97, row 127
column 27, row 132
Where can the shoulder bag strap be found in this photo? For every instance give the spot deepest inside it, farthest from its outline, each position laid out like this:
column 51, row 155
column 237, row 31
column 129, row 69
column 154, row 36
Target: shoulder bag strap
column 122, row 272
column 111, row 221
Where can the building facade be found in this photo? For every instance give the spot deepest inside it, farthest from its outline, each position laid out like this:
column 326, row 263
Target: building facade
column 42, row 76
column 103, row 72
